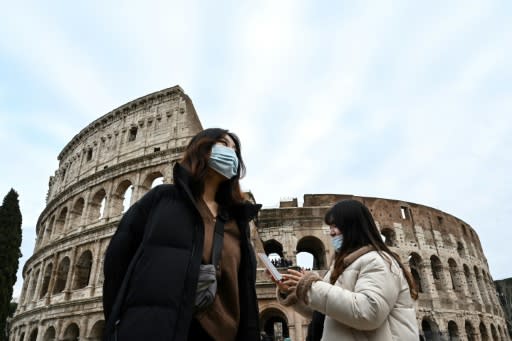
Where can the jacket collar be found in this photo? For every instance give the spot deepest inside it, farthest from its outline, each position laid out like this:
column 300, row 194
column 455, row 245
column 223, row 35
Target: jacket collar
column 245, row 211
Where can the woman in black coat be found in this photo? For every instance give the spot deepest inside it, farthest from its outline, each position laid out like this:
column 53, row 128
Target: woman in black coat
column 153, row 260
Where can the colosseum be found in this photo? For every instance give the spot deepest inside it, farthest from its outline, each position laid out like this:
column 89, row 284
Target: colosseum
column 113, row 161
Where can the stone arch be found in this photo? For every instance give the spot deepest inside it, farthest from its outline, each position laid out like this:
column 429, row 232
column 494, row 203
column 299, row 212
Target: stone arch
column 273, row 246
column 60, row 222
column 22, row 337
column 46, row 280
column 483, row 332
column 453, row 331
column 32, row 294
column 49, row 335
column 430, row 329
column 75, row 215
column 96, row 333
column 97, row 206
column 83, row 270
column 48, row 231
column 469, row 280
column 461, row 250
column 470, row 331
column 122, row 194
column 494, row 333
column 151, row 181
column 314, row 246
column 457, row 284
column 491, row 292
column 40, row 230
column 437, row 271
column 415, row 263
column 62, row 275
column 275, row 323
column 305, row 260
column 33, row 335
column 389, row 236
column 482, row 289
column 71, row 333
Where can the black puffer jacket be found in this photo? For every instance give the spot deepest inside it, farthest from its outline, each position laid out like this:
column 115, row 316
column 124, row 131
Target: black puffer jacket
column 159, row 297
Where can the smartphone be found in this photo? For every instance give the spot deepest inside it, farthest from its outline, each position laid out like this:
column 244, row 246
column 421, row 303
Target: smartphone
column 270, row 267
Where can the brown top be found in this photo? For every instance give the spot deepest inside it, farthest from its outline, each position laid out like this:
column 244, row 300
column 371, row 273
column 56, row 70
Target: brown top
column 221, row 319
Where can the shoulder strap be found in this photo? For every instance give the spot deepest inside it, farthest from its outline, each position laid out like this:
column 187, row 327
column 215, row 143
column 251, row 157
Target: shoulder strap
column 218, row 241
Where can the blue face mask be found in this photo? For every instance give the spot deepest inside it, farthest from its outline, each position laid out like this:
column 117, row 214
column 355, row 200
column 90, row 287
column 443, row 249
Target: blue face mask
column 337, row 242
column 223, row 160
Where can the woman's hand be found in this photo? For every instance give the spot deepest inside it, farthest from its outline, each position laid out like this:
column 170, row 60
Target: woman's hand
column 289, row 281
column 292, row 277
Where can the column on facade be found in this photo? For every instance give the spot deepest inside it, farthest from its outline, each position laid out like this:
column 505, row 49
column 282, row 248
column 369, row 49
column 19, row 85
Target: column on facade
column 71, row 272
column 95, row 267
column 427, row 280
column 53, row 278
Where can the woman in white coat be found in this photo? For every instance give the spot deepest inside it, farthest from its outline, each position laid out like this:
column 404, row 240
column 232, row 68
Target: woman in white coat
column 367, row 293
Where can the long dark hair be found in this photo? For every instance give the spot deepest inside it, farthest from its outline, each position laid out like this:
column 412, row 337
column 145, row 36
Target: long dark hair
column 196, row 158
column 358, row 227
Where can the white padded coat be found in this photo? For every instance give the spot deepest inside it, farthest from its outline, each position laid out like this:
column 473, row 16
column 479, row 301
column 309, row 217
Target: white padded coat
column 369, row 301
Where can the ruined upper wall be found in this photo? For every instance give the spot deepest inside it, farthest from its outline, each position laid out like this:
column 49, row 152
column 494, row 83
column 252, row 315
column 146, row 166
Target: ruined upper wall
column 156, row 122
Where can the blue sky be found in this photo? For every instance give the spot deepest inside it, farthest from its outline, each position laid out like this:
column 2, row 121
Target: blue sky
column 394, row 99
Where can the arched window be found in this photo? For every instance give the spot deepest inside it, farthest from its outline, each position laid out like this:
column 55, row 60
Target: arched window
column 470, row 331
column 72, row 333
column 314, row 246
column 461, row 250
column 49, row 335
column 493, row 332
column 33, row 335
column 482, row 289
column 60, row 222
column 97, row 206
column 415, row 263
column 273, row 246
column 152, row 180
column 437, row 271
column 96, row 333
column 430, row 329
column 274, row 323
column 305, row 260
column 453, row 331
column 389, row 236
column 83, row 270
column 157, row 181
column 76, row 213
column 48, row 231
column 62, row 275
column 46, row 280
column 121, row 199
column 34, row 285
column 454, row 275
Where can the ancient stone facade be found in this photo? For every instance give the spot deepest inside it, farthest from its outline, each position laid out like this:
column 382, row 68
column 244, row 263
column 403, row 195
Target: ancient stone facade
column 121, row 154
column 457, row 299
column 116, row 159
column 504, row 290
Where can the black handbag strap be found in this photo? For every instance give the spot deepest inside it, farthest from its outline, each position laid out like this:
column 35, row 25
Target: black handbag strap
column 218, row 241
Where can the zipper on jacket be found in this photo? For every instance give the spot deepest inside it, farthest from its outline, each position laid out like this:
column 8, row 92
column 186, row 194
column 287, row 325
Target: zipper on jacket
column 116, row 325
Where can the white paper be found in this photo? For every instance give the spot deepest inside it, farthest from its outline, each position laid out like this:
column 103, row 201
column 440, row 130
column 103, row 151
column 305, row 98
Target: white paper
column 271, row 268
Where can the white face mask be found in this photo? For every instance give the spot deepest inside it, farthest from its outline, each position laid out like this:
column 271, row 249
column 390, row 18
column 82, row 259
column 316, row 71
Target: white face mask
column 337, row 242
column 223, row 160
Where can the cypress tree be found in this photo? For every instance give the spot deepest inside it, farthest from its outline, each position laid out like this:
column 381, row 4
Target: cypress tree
column 10, row 243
